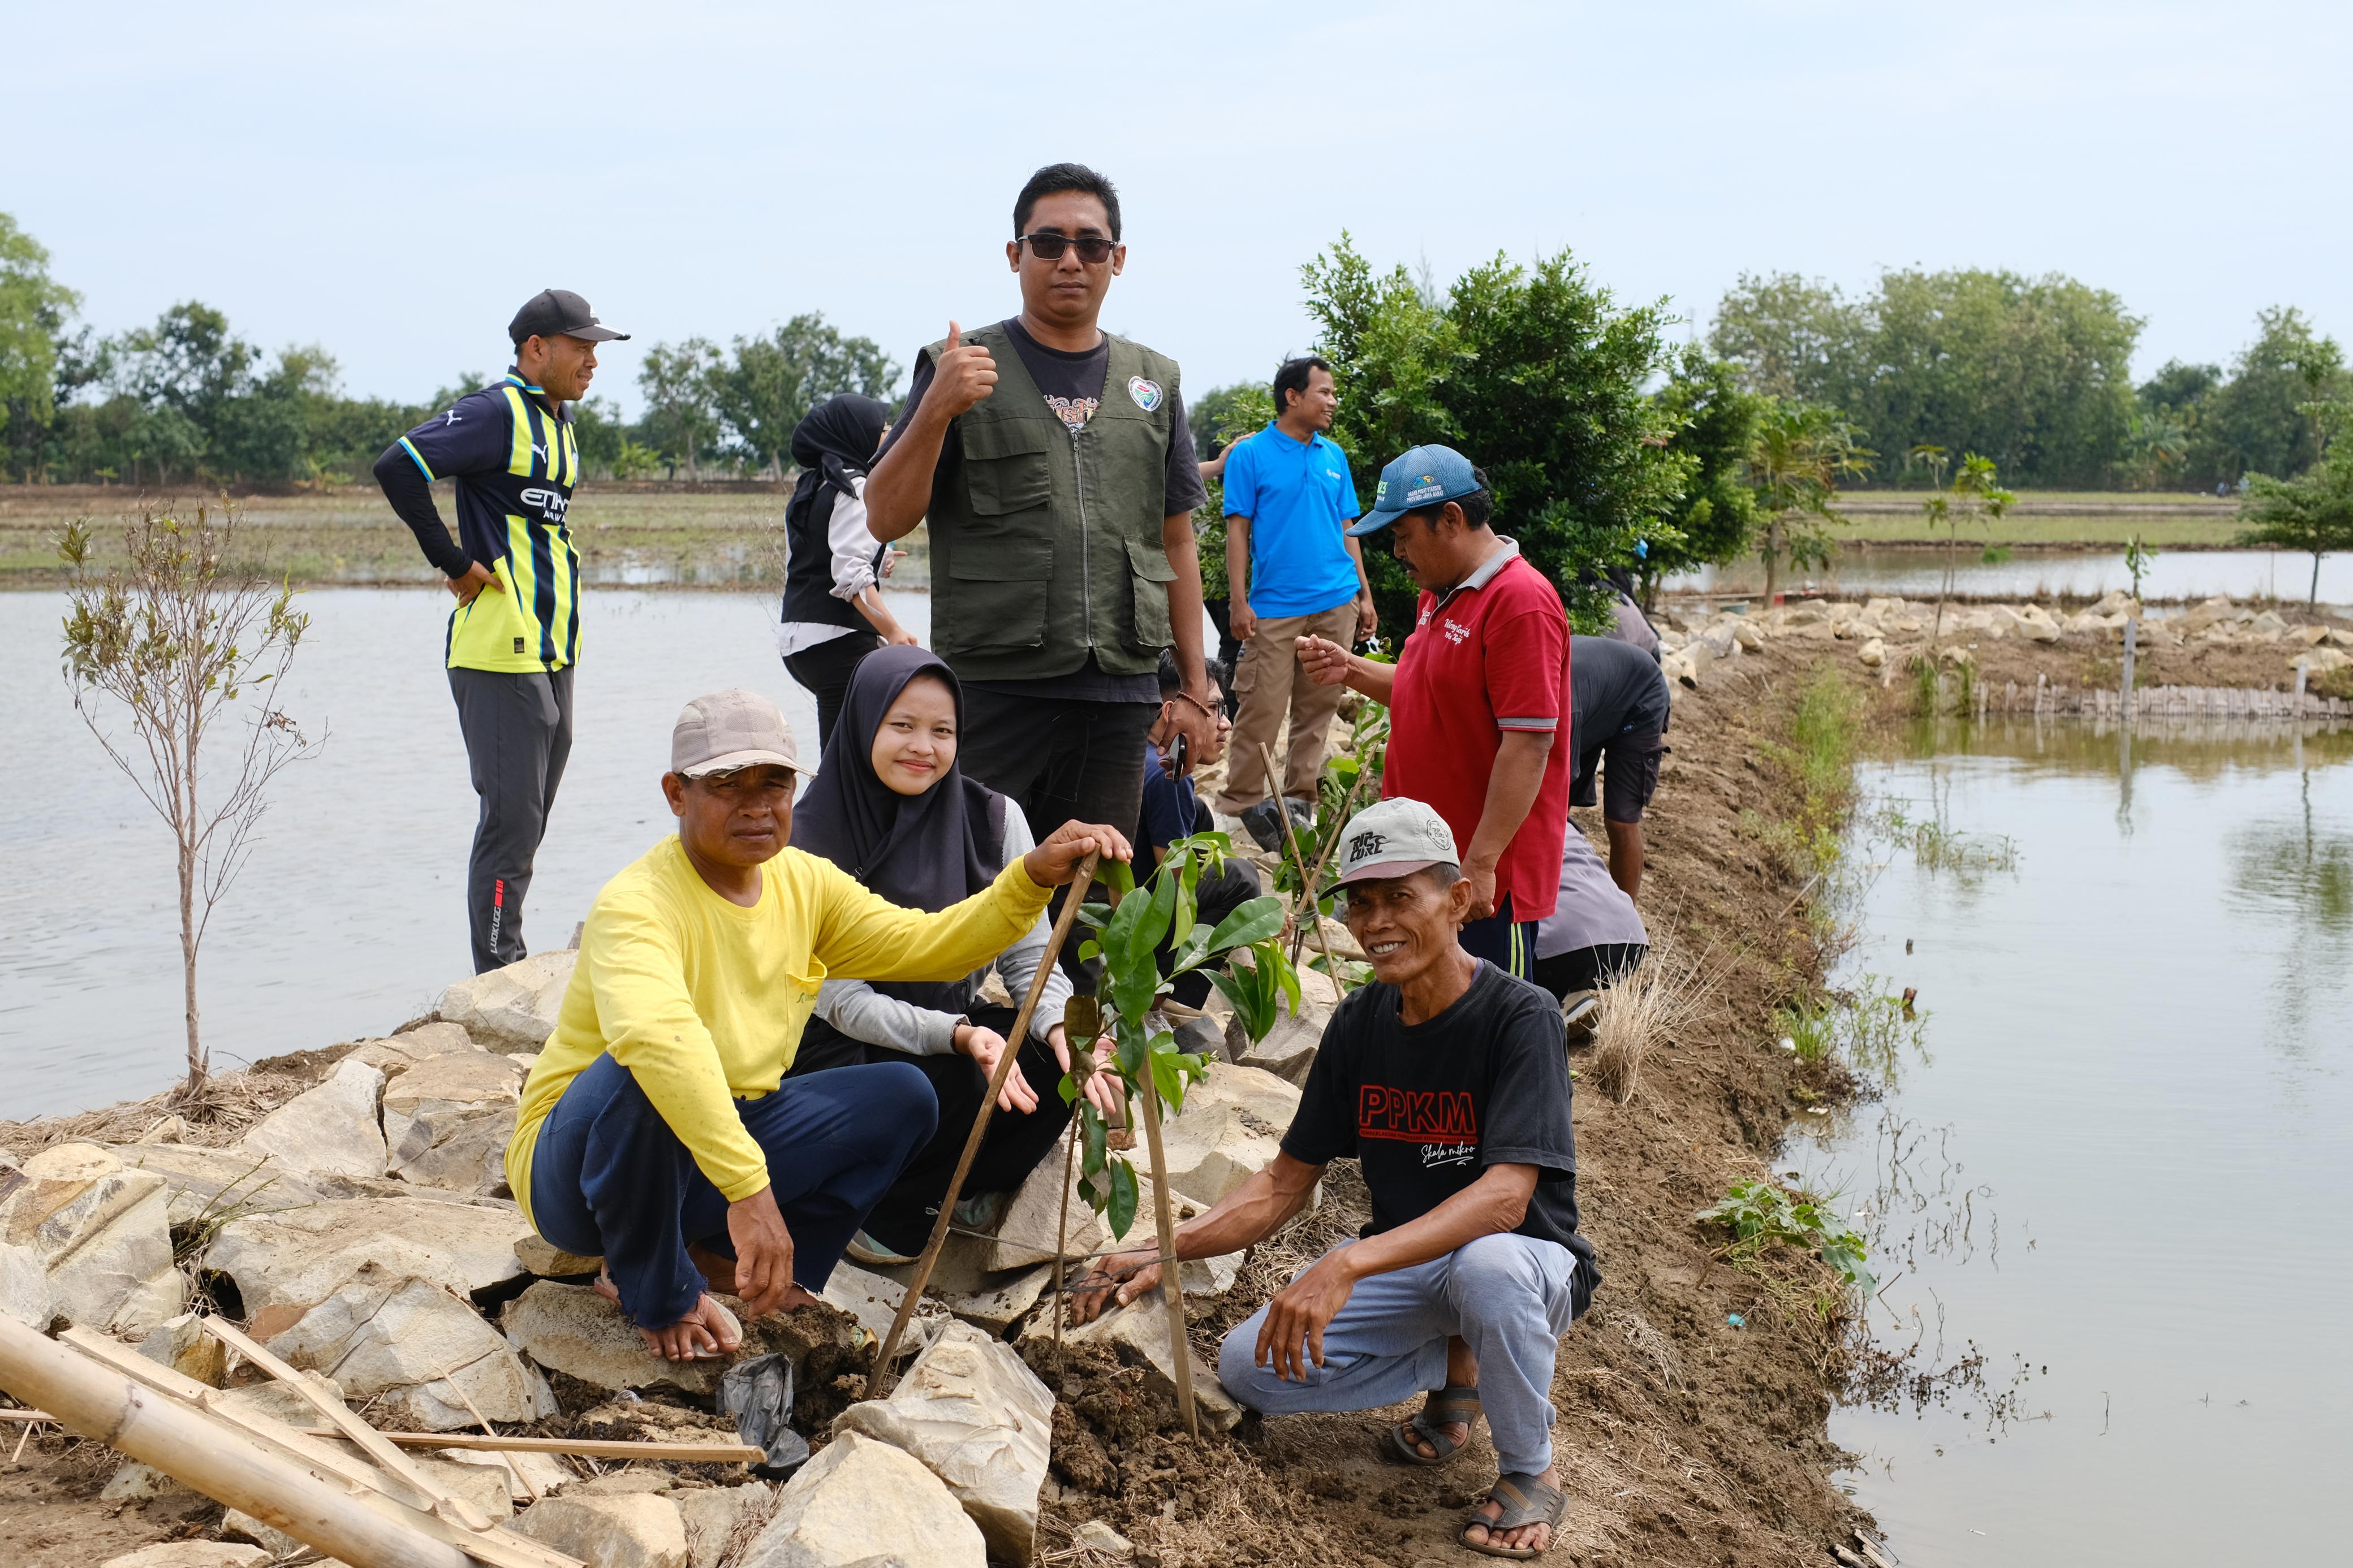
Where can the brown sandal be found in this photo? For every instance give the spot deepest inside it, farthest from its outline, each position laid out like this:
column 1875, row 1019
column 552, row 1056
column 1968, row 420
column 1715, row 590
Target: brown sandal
column 1525, row 1501
column 1443, row 1407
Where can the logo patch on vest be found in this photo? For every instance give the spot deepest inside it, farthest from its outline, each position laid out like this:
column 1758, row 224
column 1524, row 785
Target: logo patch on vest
column 1146, row 392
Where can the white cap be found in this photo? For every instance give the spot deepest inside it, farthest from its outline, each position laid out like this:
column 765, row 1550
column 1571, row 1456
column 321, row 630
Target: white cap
column 1394, row 838
column 723, row 730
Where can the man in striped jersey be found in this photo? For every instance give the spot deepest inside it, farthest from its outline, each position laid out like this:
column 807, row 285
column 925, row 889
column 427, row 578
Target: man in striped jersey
column 516, row 630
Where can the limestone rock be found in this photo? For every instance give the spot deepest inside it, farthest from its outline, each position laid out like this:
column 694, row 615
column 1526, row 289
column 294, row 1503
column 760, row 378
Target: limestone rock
column 994, row 1302
column 714, row 1514
column 192, row 1554
column 1141, row 1328
column 436, row 1038
column 1097, row 1536
column 182, row 1344
column 1025, row 1235
column 865, row 1504
column 512, row 1008
column 544, row 1471
column 1871, row 654
column 100, row 1234
column 330, row 1129
column 1288, row 1050
column 543, row 1257
column 458, row 1150
column 212, row 1185
column 1231, row 1126
column 411, row 1344
column 978, row 1419
column 639, row 1530
column 296, row 1258
column 575, row 1331
column 1749, row 635
column 454, row 1080
column 135, row 1482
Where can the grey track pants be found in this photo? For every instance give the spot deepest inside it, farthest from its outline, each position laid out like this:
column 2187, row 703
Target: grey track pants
column 1511, row 1298
column 518, row 730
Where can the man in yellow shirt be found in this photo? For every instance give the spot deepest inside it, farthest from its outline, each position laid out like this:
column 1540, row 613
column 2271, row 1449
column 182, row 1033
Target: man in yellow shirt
column 655, row 1128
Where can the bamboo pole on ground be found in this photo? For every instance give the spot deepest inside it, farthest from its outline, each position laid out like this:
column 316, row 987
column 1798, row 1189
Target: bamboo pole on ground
column 879, row 1386
column 1307, row 900
column 586, row 1447
column 209, row 1456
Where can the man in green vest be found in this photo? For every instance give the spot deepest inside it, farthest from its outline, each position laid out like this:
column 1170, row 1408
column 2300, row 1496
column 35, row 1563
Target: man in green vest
column 1054, row 462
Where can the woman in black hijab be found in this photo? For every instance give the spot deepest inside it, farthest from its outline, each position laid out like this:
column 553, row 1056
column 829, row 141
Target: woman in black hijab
column 890, row 807
column 833, row 614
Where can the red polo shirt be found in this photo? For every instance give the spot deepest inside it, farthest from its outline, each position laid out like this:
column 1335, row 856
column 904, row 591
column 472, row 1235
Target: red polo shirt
column 1491, row 656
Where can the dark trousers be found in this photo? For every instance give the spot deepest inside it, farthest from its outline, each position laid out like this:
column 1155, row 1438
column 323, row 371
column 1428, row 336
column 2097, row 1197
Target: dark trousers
column 1063, row 759
column 1509, row 945
column 518, row 730
column 825, row 670
column 608, row 1176
column 1595, row 968
column 1217, row 896
column 1016, row 1140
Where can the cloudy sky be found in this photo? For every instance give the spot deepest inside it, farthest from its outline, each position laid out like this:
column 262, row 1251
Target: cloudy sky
column 391, row 182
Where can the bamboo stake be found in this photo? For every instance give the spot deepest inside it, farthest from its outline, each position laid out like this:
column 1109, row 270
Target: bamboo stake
column 1307, row 900
column 1172, row 1284
column 454, row 1509
column 1324, row 859
column 879, row 1386
column 209, row 1456
column 1082, row 1025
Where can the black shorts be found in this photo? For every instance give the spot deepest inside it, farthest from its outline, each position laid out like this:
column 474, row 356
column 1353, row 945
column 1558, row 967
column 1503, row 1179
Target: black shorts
column 1629, row 766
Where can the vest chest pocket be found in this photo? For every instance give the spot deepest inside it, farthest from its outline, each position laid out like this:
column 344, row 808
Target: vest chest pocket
column 1150, row 573
column 1007, row 467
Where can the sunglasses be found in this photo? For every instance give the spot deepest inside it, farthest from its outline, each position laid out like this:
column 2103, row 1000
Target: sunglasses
column 1093, row 249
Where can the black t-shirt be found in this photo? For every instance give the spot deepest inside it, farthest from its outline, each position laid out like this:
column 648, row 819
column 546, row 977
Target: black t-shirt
column 1428, row 1107
column 1072, row 384
column 1617, row 703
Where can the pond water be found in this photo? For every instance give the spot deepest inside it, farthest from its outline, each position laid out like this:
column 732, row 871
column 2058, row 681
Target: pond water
column 2113, row 1170
column 2039, row 574
column 347, row 920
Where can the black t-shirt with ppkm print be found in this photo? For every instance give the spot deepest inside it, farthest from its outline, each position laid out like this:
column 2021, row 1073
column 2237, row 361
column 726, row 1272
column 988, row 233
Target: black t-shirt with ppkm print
column 1428, row 1107
column 1073, row 385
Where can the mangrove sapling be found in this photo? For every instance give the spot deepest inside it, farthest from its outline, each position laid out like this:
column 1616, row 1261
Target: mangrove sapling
column 1973, row 498
column 1762, row 1215
column 1150, row 1069
column 181, row 635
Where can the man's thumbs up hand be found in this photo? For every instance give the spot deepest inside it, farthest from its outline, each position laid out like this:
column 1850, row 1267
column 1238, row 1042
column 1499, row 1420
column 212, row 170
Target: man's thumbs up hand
column 964, row 376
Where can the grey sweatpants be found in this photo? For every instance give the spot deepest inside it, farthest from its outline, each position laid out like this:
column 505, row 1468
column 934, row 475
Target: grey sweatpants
column 518, row 730
column 1509, row 1297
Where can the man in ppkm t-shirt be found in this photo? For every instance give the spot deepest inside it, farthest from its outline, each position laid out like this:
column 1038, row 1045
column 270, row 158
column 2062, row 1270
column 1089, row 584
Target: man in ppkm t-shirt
column 1479, row 698
column 1447, row 1080
column 1057, row 473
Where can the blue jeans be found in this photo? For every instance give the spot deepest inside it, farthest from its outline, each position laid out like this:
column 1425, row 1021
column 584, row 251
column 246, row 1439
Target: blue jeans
column 609, row 1178
column 1510, row 1298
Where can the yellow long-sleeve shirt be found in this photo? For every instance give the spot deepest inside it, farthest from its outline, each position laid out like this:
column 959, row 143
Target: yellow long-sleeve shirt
column 703, row 1000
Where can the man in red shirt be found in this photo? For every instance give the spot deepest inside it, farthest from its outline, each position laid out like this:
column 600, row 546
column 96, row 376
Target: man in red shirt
column 1478, row 700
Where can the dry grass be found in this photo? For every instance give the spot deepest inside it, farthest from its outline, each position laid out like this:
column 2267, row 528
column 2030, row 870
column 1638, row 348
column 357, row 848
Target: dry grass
column 747, row 1527
column 1660, row 1002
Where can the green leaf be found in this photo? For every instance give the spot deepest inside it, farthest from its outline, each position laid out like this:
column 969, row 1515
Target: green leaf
column 1089, row 951
column 1129, row 1053
column 1167, row 1075
column 1255, row 922
column 1119, row 1209
column 1251, row 992
column 1094, row 1138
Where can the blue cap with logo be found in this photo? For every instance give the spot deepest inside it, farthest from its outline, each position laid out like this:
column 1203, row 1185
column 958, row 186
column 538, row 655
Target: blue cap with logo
column 1424, row 476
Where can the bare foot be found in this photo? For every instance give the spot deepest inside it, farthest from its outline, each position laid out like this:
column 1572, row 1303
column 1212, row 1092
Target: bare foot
column 708, row 1329
column 1538, row 1536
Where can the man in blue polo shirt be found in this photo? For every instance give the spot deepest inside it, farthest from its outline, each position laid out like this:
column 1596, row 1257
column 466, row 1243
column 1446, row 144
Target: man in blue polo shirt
column 1295, row 574
column 516, row 630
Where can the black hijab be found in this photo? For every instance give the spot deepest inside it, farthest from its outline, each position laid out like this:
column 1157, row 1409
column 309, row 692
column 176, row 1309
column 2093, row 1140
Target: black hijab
column 833, row 444
column 921, row 852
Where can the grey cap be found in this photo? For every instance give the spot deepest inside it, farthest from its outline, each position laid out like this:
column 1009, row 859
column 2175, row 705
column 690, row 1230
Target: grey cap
column 723, row 731
column 1394, row 838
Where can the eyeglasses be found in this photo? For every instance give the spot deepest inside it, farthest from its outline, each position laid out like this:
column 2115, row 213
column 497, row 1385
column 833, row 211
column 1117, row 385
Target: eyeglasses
column 1093, row 249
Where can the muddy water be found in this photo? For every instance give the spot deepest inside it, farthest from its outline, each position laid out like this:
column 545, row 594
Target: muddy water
column 2039, row 574
column 348, row 920
column 2119, row 1170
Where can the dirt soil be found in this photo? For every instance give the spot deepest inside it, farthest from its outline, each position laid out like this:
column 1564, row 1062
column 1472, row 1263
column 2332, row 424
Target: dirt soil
column 1686, row 1439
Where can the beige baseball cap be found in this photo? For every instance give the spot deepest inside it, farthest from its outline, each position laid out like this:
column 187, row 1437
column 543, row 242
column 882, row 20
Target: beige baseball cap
column 1394, row 838
column 723, row 731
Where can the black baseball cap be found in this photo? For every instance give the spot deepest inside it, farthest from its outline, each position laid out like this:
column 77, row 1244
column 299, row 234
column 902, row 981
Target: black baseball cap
column 559, row 312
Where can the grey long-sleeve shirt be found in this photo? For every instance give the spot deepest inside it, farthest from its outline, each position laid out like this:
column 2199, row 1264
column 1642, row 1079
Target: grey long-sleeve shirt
column 862, row 1013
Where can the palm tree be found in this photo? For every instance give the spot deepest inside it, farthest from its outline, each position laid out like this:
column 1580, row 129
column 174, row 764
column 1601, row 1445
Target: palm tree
column 1801, row 452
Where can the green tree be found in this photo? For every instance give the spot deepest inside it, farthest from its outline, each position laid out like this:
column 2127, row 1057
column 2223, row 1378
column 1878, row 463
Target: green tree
column 1801, row 453
column 774, row 381
column 1973, row 498
column 1714, row 424
column 1536, row 376
column 2256, row 422
column 680, row 382
column 34, row 308
column 2313, row 511
column 1794, row 338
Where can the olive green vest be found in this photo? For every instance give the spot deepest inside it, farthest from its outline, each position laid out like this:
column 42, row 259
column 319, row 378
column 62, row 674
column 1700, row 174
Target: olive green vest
column 1046, row 541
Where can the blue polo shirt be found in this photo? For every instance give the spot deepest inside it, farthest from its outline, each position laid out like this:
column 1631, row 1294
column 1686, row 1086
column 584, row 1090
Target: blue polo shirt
column 1298, row 497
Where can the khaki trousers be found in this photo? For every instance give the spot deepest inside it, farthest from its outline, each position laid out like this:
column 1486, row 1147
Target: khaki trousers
column 1271, row 682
